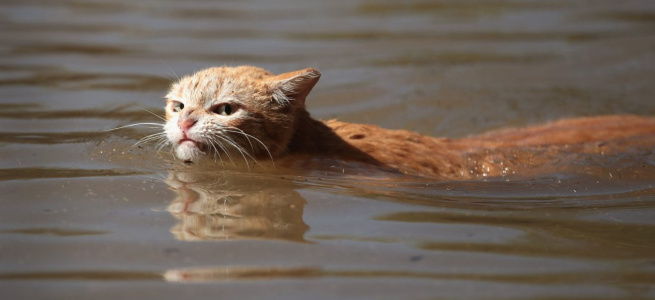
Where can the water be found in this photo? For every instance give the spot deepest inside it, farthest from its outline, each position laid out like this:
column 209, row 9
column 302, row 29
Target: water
column 86, row 215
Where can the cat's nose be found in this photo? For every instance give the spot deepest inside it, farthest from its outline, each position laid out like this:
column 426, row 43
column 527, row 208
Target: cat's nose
column 185, row 123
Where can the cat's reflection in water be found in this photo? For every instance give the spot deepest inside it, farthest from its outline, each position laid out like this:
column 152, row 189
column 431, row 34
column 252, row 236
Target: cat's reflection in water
column 212, row 206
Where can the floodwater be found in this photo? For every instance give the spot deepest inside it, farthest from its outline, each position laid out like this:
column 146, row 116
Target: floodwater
column 85, row 215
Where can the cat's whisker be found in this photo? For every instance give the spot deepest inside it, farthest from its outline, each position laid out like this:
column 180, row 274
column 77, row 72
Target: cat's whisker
column 162, row 76
column 240, row 149
column 171, row 69
column 237, row 130
column 159, row 137
column 137, row 124
column 220, row 145
column 216, row 152
column 213, row 142
column 152, row 113
column 248, row 136
column 162, row 144
column 151, row 137
column 252, row 148
column 158, row 134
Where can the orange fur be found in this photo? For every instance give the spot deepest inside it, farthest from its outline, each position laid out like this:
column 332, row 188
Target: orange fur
column 272, row 110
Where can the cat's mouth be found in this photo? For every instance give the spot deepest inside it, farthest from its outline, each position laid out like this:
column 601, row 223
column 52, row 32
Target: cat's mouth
column 193, row 142
column 188, row 150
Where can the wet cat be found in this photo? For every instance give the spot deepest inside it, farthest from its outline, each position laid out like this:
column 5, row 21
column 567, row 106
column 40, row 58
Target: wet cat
column 249, row 114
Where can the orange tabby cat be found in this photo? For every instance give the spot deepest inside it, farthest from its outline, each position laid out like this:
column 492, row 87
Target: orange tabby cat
column 250, row 113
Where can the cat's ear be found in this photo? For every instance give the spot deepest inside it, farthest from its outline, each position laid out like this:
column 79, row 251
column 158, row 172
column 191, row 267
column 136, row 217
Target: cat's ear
column 294, row 86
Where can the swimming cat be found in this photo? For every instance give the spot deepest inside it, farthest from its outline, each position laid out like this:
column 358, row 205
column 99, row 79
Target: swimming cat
column 251, row 114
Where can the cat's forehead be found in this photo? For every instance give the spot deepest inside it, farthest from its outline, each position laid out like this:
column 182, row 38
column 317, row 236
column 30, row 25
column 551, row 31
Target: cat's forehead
column 220, row 84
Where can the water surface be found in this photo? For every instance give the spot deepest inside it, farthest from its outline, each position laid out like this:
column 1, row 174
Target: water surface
column 85, row 214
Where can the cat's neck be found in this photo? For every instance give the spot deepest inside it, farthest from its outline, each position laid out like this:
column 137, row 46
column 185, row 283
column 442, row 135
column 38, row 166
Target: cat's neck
column 314, row 137
column 309, row 135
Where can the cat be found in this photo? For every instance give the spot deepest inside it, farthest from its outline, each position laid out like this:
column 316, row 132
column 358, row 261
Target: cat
column 245, row 112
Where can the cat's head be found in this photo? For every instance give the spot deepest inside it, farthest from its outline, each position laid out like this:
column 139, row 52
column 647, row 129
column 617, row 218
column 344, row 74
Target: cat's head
column 243, row 111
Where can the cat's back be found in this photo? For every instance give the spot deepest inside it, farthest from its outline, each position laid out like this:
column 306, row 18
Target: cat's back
column 569, row 145
column 598, row 129
column 413, row 153
column 406, row 151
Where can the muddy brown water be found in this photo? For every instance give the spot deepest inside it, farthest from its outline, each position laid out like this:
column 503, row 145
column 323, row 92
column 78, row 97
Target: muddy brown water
column 85, row 215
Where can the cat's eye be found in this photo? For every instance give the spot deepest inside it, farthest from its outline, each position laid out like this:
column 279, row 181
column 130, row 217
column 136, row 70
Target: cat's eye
column 178, row 106
column 225, row 109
